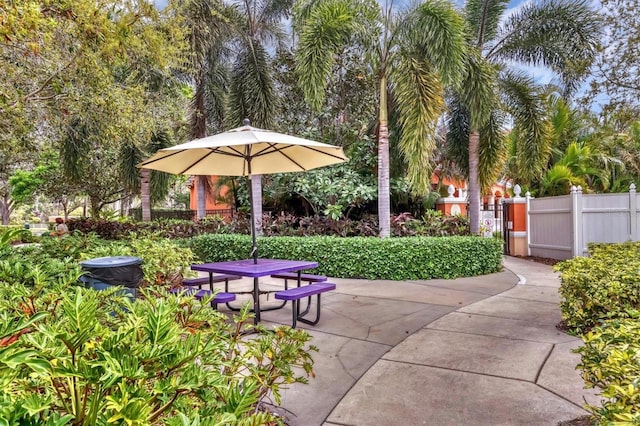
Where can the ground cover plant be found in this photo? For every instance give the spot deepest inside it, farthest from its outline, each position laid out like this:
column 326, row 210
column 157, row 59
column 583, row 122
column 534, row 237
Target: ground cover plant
column 600, row 301
column 610, row 360
column 433, row 223
column 605, row 285
column 71, row 355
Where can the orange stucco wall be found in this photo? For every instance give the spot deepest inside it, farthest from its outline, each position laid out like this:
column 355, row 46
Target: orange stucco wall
column 519, row 216
column 445, row 207
column 210, row 204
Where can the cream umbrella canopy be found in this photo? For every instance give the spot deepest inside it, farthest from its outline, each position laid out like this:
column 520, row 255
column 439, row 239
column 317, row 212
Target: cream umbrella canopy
column 245, row 151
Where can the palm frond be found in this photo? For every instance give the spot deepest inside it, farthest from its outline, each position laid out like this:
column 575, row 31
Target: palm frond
column 434, row 30
column 418, row 95
column 458, row 129
column 75, row 146
column 159, row 181
column 483, row 18
column 252, row 93
column 558, row 181
column 562, row 35
column 130, row 155
column 493, row 150
column 526, row 105
column 478, row 90
column 325, row 27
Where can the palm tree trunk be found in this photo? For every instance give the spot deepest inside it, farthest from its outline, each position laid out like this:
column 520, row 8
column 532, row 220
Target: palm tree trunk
column 256, row 208
column 384, row 203
column 145, row 194
column 199, row 130
column 474, row 185
column 201, row 197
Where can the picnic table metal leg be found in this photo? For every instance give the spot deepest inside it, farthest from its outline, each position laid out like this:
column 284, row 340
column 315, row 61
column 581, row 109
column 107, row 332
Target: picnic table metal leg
column 226, row 290
column 256, row 300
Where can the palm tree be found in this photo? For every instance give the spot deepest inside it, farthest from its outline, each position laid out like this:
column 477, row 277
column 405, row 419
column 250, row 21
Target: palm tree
column 208, row 27
column 230, row 66
column 252, row 95
column 412, row 55
column 152, row 186
column 561, row 35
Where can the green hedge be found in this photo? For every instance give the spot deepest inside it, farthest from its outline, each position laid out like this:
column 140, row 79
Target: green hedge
column 603, row 286
column 360, row 257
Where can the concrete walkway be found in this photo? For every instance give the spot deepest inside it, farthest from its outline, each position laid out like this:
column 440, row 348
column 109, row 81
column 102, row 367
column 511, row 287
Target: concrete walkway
column 471, row 351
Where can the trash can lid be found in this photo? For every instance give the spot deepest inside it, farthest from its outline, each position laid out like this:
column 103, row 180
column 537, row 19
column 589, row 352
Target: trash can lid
column 111, row 261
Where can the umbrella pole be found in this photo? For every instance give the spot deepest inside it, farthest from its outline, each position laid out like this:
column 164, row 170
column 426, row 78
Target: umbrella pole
column 254, row 246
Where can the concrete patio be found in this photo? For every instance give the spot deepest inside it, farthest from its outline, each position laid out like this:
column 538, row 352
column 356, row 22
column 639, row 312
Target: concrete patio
column 471, row 351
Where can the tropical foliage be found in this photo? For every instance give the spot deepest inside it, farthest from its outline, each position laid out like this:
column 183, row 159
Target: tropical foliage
column 411, row 56
column 70, row 355
column 560, row 35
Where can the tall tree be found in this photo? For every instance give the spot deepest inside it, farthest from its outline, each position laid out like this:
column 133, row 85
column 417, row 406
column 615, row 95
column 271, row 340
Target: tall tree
column 411, row 55
column 615, row 85
column 80, row 68
column 208, row 27
column 561, row 35
column 252, row 95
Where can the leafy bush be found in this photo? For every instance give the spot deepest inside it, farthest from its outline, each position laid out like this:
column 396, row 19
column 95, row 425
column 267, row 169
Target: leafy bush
column 610, row 360
column 164, row 263
column 11, row 235
column 74, row 356
column 371, row 258
column 603, row 286
column 433, row 224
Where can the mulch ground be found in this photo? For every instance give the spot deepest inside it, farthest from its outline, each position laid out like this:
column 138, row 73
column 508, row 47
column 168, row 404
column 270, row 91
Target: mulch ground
column 536, row 259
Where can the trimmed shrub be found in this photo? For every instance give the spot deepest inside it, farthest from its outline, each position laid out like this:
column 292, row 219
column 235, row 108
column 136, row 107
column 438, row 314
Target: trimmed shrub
column 359, row 257
column 611, row 361
column 601, row 287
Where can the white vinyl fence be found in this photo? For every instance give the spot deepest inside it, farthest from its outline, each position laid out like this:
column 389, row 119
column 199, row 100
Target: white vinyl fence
column 562, row 227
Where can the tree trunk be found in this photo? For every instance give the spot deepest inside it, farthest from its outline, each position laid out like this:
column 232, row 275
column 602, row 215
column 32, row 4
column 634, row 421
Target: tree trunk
column 145, row 194
column 474, row 185
column 94, row 207
column 256, row 208
column 198, row 131
column 201, row 198
column 5, row 209
column 384, row 198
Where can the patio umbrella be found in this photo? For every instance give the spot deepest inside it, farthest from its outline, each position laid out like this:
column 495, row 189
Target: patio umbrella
column 245, row 151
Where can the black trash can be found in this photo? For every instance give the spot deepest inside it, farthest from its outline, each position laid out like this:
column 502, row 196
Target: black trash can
column 103, row 272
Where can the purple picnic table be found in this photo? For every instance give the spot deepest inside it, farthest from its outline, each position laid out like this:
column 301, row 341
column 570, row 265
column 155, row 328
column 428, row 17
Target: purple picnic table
column 263, row 268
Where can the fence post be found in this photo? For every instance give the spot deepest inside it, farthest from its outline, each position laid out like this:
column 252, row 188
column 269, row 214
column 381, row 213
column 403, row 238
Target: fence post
column 633, row 213
column 527, row 207
column 576, row 219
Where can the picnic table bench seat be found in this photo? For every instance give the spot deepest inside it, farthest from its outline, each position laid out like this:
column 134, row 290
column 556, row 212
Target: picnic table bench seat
column 297, row 293
column 199, row 281
column 310, row 278
column 199, row 294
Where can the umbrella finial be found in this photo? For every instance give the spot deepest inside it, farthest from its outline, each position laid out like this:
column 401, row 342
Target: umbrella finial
column 246, row 122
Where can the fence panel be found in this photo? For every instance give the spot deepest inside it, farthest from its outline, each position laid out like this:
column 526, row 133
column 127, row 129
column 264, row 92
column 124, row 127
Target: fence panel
column 606, row 218
column 562, row 227
column 550, row 227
